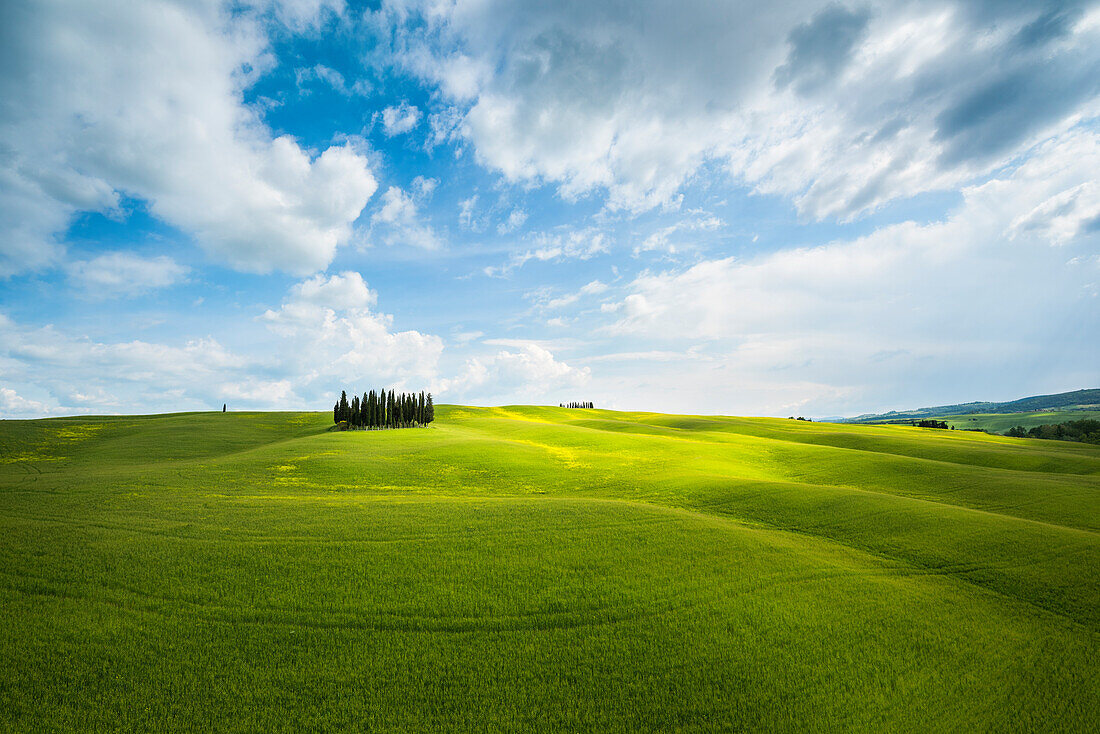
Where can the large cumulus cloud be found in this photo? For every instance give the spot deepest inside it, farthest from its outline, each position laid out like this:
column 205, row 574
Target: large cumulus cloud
column 840, row 106
column 102, row 101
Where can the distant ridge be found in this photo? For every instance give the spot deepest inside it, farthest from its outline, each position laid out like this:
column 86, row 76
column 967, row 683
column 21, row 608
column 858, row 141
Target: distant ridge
column 1059, row 401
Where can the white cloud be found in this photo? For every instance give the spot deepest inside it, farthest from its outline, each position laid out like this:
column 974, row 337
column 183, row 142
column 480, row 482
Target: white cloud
column 531, row 371
column 146, row 99
column 261, row 392
column 397, row 222
column 841, row 108
column 124, row 273
column 424, row 187
column 83, row 375
column 302, row 15
column 514, row 221
column 400, row 119
column 974, row 301
column 466, row 216
column 340, row 292
column 331, row 77
column 325, row 336
column 580, row 244
column 329, row 330
column 662, row 239
column 12, row 405
column 591, row 288
column 462, row 337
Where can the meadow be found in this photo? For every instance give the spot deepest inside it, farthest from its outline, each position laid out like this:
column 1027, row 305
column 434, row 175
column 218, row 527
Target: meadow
column 1001, row 422
column 544, row 569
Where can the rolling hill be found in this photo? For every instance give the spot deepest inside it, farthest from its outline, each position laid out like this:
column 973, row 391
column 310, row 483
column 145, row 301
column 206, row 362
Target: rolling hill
column 544, row 569
column 1080, row 400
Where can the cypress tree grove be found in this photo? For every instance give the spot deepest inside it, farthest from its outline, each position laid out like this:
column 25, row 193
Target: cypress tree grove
column 384, row 409
column 578, row 404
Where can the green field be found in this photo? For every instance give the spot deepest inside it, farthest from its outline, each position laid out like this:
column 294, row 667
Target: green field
column 544, row 569
column 1001, row 422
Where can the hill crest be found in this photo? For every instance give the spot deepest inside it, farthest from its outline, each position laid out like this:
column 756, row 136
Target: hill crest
column 1057, row 401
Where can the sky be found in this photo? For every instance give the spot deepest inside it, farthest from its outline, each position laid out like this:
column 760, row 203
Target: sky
column 792, row 208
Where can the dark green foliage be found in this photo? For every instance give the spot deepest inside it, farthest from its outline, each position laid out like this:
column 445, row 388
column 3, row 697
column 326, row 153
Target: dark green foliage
column 385, row 410
column 1085, row 431
column 343, row 410
column 578, row 404
column 932, row 423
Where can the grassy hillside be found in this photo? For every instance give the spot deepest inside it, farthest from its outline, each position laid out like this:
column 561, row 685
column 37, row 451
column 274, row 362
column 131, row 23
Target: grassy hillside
column 1059, row 402
column 999, row 423
column 544, row 569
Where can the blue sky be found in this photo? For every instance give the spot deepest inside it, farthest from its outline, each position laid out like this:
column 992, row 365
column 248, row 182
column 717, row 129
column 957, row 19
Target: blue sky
column 814, row 208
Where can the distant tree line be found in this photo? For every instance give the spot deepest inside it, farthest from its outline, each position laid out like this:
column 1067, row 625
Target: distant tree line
column 1085, row 431
column 577, row 405
column 384, row 410
column 800, row 418
column 931, row 423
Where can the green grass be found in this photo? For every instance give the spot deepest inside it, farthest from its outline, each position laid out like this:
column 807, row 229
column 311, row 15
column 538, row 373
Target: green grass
column 1001, row 422
column 544, row 569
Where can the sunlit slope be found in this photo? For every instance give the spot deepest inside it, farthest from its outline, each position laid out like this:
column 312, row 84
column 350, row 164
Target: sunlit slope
column 544, row 569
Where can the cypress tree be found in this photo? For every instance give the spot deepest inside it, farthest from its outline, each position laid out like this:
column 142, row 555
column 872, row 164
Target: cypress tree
column 336, row 412
column 430, row 408
column 345, row 409
column 355, row 411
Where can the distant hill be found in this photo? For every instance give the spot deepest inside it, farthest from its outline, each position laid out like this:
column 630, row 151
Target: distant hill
column 1058, row 402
